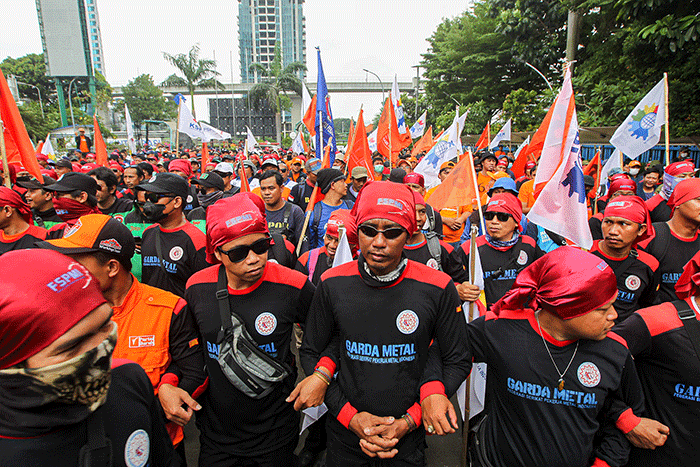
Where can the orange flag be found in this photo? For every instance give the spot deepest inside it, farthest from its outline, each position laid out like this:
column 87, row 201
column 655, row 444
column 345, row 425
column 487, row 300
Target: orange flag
column 437, row 138
column 100, row 146
column 425, row 143
column 485, row 138
column 518, row 167
column 19, row 147
column 388, row 135
column 310, row 117
column 534, row 149
column 458, row 189
column 205, row 157
column 303, row 143
column 350, row 134
column 359, row 154
column 593, row 169
column 245, row 187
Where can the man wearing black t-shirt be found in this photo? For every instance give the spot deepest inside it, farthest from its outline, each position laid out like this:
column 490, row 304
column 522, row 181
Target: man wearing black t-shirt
column 16, row 230
column 40, row 200
column 107, row 200
column 283, row 217
column 300, row 194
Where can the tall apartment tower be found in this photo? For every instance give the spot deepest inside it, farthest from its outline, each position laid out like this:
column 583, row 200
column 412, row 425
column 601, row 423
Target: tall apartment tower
column 261, row 23
column 94, row 36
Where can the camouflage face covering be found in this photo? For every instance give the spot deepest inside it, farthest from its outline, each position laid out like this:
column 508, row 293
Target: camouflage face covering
column 39, row 399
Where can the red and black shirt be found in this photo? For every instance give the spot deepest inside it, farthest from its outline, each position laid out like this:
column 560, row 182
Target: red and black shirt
column 449, row 263
column 23, row 240
column 659, row 210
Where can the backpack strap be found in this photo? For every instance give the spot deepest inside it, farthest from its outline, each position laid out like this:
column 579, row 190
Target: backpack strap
column 279, row 249
column 287, row 214
column 690, row 323
column 98, row 450
column 431, row 217
column 434, row 247
column 318, row 210
column 663, row 237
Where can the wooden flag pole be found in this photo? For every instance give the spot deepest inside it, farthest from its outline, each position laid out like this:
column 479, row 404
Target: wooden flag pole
column 666, row 131
column 3, row 150
column 177, row 131
column 306, row 225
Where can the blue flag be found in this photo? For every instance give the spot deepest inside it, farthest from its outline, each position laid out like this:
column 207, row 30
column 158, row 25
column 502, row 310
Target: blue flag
column 324, row 116
column 179, row 97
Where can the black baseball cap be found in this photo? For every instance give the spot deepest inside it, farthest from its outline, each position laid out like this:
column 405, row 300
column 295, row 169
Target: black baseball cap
column 73, row 181
column 34, row 184
column 65, row 163
column 164, row 183
column 209, row 180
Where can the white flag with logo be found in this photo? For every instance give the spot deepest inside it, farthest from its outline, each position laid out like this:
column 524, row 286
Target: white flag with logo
column 250, row 142
column 297, row 145
column 211, row 133
column 47, row 148
column 502, row 135
column 131, row 141
column 372, row 140
column 444, row 150
column 398, row 107
column 187, row 123
column 641, row 130
column 418, row 128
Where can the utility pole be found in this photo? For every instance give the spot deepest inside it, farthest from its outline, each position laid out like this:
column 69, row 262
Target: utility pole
column 417, row 67
column 573, row 27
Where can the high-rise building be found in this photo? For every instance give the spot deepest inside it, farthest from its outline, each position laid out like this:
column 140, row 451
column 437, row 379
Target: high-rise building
column 94, row 36
column 261, row 24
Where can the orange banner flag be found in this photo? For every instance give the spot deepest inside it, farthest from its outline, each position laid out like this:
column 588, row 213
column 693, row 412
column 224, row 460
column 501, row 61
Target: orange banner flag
column 594, row 167
column 205, row 157
column 350, row 135
column 485, row 138
column 518, row 167
column 458, row 189
column 359, row 153
column 303, row 143
column 389, row 141
column 245, row 186
column 534, row 149
column 99, row 142
column 310, row 117
column 20, row 150
column 425, row 143
column 316, row 194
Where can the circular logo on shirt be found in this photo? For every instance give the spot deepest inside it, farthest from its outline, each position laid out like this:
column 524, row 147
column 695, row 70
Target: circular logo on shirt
column 633, row 282
column 522, row 258
column 407, row 321
column 432, row 263
column 137, row 449
column 265, row 323
column 588, row 374
column 176, row 253
column 272, row 261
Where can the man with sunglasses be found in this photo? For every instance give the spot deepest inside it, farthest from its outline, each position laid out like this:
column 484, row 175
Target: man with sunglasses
column 284, row 170
column 504, row 252
column 210, row 189
column 268, row 299
column 385, row 311
column 172, row 249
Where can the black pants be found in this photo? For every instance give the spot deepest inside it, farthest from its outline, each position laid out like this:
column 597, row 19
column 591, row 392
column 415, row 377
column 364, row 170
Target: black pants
column 282, row 457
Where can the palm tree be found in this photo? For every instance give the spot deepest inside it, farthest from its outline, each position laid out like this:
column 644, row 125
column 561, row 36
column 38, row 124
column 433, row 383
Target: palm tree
column 276, row 82
column 198, row 72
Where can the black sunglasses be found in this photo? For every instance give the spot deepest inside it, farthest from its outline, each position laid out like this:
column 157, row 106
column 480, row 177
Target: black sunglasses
column 155, row 197
column 284, row 171
column 239, row 253
column 502, row 216
column 389, row 234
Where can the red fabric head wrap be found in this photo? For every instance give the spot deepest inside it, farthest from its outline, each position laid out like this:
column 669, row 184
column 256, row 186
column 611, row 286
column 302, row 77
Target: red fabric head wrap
column 622, row 184
column 386, row 200
column 567, row 282
column 632, row 208
column 9, row 197
column 343, row 217
column 688, row 284
column 530, row 165
column 229, row 219
column 416, row 178
column 685, row 191
column 508, row 203
column 418, row 199
column 681, row 167
column 257, row 200
column 182, row 165
column 43, row 295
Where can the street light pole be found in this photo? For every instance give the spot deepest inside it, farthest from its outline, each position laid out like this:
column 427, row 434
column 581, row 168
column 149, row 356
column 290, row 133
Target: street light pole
column 39, row 92
column 380, row 81
column 70, row 101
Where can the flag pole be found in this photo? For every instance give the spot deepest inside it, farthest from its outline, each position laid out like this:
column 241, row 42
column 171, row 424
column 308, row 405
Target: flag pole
column 470, row 316
column 177, row 131
column 3, row 150
column 666, row 132
column 476, row 187
column 314, row 194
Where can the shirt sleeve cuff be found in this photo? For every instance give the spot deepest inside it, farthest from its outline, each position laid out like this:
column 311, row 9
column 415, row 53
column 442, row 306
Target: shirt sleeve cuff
column 600, row 463
column 169, row 378
column 627, row 421
column 328, row 363
column 430, row 388
column 416, row 413
column 346, row 414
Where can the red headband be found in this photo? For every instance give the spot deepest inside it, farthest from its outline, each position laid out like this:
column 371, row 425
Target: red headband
column 11, row 198
column 681, row 167
column 508, row 203
column 632, row 208
column 344, row 217
column 622, row 184
column 183, row 165
column 685, row 191
column 229, row 219
column 43, row 295
column 386, row 200
column 688, row 284
column 567, row 282
column 416, row 178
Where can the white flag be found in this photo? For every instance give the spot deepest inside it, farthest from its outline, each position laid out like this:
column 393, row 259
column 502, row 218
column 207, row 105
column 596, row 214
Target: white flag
column 444, row 150
column 250, row 142
column 297, row 145
column 520, row 148
column 418, row 128
column 641, row 130
column 372, row 140
column 343, row 254
column 398, row 108
column 131, row 142
column 502, row 135
column 47, row 148
column 209, row 133
column 187, row 123
column 612, row 163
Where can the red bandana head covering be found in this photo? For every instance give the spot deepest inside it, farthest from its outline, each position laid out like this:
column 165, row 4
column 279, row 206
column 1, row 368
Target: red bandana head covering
column 343, row 218
column 681, row 167
column 418, row 199
column 632, row 208
column 416, row 178
column 183, row 165
column 229, row 219
column 43, row 295
column 508, row 203
column 685, row 191
column 567, row 282
column 688, row 284
column 622, row 183
column 386, row 200
column 257, row 200
column 9, row 197
column 530, row 165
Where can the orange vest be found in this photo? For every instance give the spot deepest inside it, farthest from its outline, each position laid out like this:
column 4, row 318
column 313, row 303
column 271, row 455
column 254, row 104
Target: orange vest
column 285, row 192
column 143, row 322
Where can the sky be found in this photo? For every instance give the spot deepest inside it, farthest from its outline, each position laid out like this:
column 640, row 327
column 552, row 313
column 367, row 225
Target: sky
column 384, row 36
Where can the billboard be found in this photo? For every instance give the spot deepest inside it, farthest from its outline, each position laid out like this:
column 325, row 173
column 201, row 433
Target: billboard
column 62, row 36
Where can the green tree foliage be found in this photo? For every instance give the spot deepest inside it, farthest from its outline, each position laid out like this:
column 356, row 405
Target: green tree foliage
column 527, row 108
column 276, row 81
column 146, row 102
column 197, row 72
column 31, row 69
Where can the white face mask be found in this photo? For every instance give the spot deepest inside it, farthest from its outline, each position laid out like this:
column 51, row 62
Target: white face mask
column 634, row 172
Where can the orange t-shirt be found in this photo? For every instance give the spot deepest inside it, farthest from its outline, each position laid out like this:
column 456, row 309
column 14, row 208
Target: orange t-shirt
column 449, row 235
column 527, row 193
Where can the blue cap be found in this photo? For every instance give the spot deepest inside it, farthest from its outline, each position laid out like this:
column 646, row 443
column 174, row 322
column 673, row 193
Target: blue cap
column 507, row 184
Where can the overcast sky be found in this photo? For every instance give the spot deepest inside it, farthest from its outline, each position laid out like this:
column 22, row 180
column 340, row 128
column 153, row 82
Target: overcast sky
column 384, row 36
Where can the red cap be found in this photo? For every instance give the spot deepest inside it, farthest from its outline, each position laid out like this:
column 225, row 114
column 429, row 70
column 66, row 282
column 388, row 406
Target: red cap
column 386, row 200
column 684, row 191
column 508, row 203
column 42, row 157
column 343, row 217
column 416, row 178
column 183, row 165
column 9, row 197
column 231, row 218
column 681, row 167
column 567, row 282
column 43, row 295
column 116, row 165
column 50, row 172
column 530, row 165
column 688, row 284
column 622, row 183
column 88, row 167
column 632, row 208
